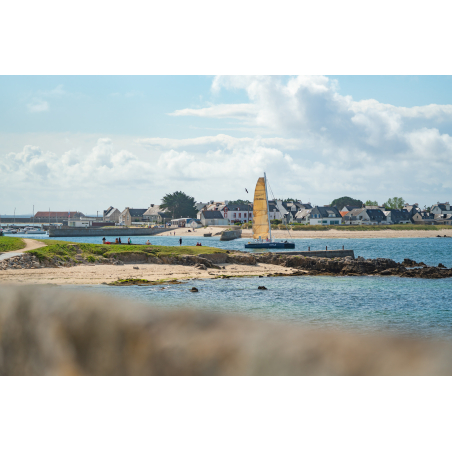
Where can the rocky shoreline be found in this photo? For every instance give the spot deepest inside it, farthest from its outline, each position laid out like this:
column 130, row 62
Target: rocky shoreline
column 301, row 265
column 357, row 267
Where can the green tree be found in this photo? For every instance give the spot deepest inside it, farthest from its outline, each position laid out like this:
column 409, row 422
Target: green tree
column 180, row 205
column 394, row 203
column 346, row 201
column 239, row 201
column 371, row 203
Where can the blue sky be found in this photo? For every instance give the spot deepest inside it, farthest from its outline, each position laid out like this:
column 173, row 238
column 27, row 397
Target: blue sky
column 87, row 142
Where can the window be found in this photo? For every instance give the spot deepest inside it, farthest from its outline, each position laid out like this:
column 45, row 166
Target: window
column 244, row 215
column 240, row 215
column 234, row 214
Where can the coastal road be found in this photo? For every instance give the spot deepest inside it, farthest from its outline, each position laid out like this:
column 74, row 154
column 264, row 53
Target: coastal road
column 30, row 244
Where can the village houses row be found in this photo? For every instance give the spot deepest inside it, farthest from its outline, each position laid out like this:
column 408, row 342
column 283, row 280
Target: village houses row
column 224, row 213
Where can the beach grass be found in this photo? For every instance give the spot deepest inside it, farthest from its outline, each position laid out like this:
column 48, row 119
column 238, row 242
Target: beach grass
column 91, row 252
column 11, row 244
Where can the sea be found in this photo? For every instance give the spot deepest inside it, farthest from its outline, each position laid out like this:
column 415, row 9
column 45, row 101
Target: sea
column 364, row 304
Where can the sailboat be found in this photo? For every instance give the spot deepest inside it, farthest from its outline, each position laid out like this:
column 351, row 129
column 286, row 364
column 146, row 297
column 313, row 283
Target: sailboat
column 262, row 231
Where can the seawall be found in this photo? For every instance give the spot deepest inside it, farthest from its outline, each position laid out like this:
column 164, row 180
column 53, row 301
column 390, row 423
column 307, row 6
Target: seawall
column 100, row 232
column 231, row 235
column 321, row 253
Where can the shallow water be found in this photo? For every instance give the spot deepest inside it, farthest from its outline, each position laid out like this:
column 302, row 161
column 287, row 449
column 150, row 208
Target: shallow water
column 405, row 306
column 364, row 304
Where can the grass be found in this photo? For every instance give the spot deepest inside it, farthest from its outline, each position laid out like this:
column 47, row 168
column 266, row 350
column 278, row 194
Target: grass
column 11, row 244
column 92, row 252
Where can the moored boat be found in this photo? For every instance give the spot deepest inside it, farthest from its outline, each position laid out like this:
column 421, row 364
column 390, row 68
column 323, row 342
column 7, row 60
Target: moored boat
column 262, row 232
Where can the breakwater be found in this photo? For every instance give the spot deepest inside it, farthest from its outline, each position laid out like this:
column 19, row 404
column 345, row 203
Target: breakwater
column 101, row 232
column 231, row 235
column 319, row 253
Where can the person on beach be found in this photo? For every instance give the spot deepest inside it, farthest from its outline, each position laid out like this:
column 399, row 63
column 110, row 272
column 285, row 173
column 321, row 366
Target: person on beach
column 129, row 241
column 119, row 240
column 103, row 240
column 180, row 241
column 116, row 240
column 148, row 242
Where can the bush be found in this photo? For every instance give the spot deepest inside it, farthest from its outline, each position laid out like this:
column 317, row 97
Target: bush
column 91, row 259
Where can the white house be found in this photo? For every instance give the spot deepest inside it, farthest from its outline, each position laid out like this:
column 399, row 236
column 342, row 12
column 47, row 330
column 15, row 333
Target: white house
column 111, row 214
column 212, row 218
column 441, row 209
column 237, row 213
column 325, row 216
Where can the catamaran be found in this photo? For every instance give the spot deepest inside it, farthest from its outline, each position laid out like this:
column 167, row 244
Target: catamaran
column 262, row 231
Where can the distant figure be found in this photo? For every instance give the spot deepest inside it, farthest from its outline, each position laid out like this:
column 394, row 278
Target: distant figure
column 116, row 240
column 180, row 241
column 148, row 242
column 119, row 240
column 103, row 240
column 129, row 241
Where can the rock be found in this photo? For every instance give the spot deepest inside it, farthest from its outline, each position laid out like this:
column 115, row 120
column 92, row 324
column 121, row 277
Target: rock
column 262, row 288
column 261, row 276
column 136, row 268
column 194, row 289
column 441, row 266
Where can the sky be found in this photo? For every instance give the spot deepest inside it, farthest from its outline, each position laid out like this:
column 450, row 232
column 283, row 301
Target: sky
column 87, row 142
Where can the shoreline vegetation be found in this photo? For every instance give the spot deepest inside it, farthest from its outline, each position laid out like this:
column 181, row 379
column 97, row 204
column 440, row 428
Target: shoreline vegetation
column 8, row 244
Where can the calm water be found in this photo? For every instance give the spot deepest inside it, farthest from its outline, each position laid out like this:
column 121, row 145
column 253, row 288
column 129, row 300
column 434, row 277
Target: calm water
column 366, row 304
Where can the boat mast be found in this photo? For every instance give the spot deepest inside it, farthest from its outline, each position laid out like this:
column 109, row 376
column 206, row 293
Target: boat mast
column 268, row 213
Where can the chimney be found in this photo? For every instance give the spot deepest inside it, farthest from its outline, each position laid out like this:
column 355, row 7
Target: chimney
column 152, row 205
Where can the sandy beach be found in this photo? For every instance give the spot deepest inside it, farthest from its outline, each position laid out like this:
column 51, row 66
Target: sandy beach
column 330, row 234
column 98, row 274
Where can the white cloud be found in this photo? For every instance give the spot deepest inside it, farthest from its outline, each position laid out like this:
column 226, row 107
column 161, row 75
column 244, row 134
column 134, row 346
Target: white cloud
column 38, row 106
column 314, row 143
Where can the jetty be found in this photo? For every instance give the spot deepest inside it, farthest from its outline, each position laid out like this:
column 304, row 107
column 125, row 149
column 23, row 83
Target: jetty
column 105, row 232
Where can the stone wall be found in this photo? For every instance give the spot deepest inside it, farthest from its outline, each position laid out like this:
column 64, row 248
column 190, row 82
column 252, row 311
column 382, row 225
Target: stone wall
column 48, row 331
column 319, row 253
column 99, row 232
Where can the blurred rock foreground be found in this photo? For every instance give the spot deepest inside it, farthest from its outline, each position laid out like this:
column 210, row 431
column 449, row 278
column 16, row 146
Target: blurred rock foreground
column 47, row 331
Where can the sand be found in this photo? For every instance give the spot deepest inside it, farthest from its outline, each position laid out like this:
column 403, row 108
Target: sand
column 98, row 274
column 330, row 234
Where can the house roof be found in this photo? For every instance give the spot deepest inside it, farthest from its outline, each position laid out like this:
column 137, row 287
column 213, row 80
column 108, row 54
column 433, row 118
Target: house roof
column 350, row 208
column 303, row 213
column 155, row 210
column 325, row 212
column 400, row 215
column 376, row 214
column 110, row 211
column 211, row 214
column 136, row 212
column 244, row 207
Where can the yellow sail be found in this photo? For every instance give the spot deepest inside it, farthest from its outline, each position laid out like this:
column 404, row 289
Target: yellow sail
column 260, row 214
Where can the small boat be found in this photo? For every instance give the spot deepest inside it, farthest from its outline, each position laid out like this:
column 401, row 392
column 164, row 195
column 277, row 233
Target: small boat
column 262, row 232
column 35, row 231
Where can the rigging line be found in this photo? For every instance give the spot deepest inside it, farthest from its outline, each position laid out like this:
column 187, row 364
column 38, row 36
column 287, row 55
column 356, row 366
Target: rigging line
column 273, row 196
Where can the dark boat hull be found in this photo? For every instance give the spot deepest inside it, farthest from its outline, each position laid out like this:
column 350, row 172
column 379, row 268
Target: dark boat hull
column 270, row 245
